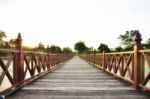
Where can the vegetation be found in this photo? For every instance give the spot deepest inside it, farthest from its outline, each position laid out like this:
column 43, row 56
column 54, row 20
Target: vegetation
column 103, row 47
column 40, row 47
column 55, row 49
column 67, row 50
column 147, row 44
column 127, row 39
column 126, row 44
column 80, row 47
column 2, row 37
column 119, row 49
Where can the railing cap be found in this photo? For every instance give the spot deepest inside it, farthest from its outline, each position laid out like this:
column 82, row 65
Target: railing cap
column 138, row 38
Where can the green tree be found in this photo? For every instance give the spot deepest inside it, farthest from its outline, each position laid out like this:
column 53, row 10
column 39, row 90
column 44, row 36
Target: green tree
column 6, row 45
column 67, row 50
column 80, row 47
column 147, row 44
column 40, row 47
column 2, row 36
column 12, row 43
column 103, row 47
column 127, row 39
column 91, row 50
column 118, row 49
column 55, row 49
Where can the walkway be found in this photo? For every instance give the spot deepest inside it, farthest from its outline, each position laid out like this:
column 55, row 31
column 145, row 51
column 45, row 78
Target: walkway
column 78, row 80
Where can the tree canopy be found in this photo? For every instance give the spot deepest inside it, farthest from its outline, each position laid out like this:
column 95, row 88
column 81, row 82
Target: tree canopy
column 55, row 49
column 2, row 36
column 67, row 50
column 80, row 47
column 103, row 47
column 118, row 49
column 147, row 44
column 126, row 43
column 127, row 39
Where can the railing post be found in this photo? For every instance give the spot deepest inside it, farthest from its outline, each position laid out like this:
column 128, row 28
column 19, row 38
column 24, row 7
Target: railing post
column 138, row 72
column 19, row 65
column 104, row 64
column 48, row 60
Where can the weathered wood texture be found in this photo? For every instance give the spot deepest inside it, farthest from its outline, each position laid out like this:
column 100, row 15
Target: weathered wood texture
column 78, row 80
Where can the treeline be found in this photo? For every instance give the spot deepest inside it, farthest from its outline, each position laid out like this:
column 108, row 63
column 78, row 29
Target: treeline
column 126, row 44
column 40, row 47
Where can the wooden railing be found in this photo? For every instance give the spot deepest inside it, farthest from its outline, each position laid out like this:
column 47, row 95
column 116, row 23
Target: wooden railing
column 18, row 67
column 132, row 66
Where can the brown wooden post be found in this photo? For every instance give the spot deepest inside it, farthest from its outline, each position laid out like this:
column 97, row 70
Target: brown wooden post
column 19, row 65
column 138, row 72
column 48, row 60
column 104, row 60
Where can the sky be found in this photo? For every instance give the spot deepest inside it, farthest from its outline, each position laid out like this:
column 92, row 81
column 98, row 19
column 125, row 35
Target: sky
column 65, row 22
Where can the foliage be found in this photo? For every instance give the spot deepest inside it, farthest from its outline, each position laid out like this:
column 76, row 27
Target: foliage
column 103, row 47
column 80, row 47
column 147, row 44
column 12, row 43
column 67, row 50
column 55, row 49
column 91, row 50
column 118, row 49
column 127, row 39
column 2, row 36
column 40, row 47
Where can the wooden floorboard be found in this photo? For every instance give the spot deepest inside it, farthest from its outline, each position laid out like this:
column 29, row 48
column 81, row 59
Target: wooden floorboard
column 78, row 80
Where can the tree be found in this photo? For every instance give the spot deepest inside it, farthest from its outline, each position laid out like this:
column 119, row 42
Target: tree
column 127, row 40
column 12, row 43
column 91, row 50
column 80, row 47
column 147, row 44
column 67, row 50
column 2, row 36
column 40, row 47
column 55, row 49
column 6, row 45
column 119, row 49
column 103, row 47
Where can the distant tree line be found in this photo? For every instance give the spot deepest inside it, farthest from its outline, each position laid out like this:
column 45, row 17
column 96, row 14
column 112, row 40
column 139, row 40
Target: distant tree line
column 126, row 44
column 40, row 47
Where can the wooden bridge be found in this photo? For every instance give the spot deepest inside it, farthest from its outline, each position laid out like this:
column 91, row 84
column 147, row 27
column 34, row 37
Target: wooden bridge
column 121, row 75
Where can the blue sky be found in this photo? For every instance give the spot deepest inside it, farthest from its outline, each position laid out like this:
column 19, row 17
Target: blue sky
column 64, row 22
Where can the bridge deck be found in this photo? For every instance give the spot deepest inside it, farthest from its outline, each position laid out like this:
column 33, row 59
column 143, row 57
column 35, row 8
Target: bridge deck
column 78, row 80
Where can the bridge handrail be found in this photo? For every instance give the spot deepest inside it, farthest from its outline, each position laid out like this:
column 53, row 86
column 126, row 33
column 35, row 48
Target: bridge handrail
column 8, row 51
column 18, row 67
column 131, row 66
